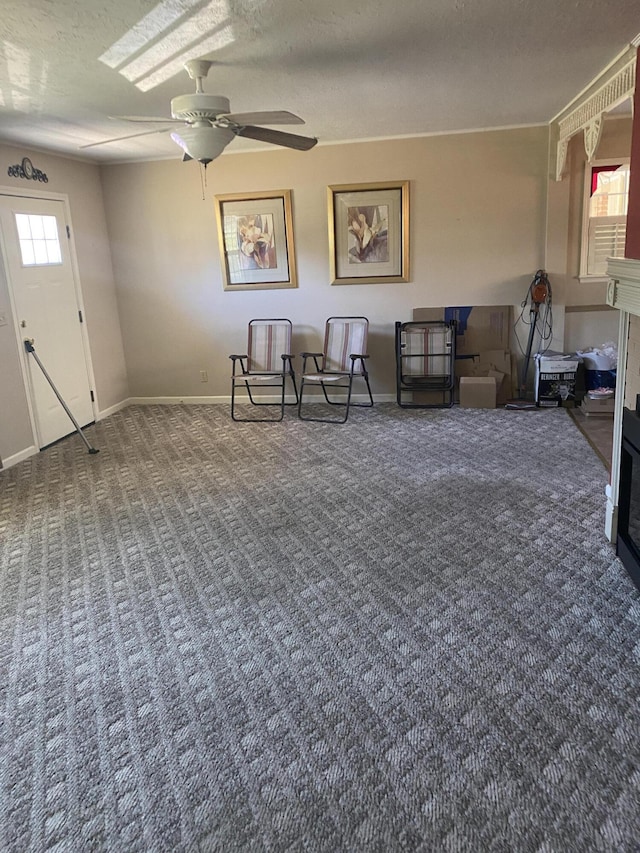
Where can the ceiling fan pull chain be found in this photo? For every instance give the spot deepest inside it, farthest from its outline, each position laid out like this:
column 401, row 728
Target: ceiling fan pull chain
column 203, row 178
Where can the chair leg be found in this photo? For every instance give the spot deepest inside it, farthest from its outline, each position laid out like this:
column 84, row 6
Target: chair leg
column 354, row 405
column 251, row 400
column 348, row 404
column 333, row 403
column 326, row 396
column 281, row 404
column 368, row 405
column 284, row 382
column 292, row 376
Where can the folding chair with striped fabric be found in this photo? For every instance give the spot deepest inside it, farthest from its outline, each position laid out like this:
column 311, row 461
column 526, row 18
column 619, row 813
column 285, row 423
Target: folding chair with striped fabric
column 425, row 354
column 341, row 362
column 267, row 364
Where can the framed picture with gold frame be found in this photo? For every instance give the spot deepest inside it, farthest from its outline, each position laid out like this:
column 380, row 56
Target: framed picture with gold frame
column 369, row 232
column 255, row 235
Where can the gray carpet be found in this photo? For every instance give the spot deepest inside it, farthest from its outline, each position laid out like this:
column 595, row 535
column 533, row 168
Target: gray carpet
column 406, row 633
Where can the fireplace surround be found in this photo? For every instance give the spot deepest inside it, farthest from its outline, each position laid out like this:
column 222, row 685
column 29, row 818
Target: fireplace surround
column 623, row 493
column 628, row 538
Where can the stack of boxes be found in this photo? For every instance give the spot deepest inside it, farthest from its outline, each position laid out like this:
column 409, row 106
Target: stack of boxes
column 486, row 370
column 484, row 364
column 600, row 380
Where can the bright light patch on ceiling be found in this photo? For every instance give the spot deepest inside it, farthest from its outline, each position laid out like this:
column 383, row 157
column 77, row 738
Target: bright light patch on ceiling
column 204, row 31
column 152, row 25
column 197, row 26
column 26, row 92
column 215, row 42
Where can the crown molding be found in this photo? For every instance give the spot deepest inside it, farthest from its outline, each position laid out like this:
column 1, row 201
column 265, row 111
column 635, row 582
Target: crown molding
column 586, row 113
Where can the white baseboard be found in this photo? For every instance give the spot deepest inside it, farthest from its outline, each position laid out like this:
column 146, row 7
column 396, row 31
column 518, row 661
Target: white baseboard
column 226, row 401
column 177, row 401
column 104, row 413
column 19, row 457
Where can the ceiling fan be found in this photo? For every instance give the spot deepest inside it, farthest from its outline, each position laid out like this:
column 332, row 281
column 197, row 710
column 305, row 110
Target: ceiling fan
column 210, row 126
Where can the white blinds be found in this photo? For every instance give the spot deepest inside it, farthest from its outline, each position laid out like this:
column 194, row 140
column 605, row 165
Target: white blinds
column 606, row 240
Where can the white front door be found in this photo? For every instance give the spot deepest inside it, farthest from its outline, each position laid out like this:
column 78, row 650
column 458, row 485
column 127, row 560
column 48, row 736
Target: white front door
column 38, row 265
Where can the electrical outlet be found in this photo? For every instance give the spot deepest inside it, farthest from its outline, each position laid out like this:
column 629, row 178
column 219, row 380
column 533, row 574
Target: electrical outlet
column 3, row 320
column 204, row 376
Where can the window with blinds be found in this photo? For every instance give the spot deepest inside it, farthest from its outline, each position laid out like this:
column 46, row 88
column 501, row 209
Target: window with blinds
column 605, row 216
column 606, row 240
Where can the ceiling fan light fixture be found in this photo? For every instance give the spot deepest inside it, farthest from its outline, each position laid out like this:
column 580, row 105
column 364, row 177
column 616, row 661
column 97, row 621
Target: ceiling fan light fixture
column 203, row 144
column 199, row 106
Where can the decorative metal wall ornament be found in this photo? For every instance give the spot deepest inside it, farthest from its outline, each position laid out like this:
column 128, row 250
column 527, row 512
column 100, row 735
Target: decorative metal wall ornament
column 27, row 170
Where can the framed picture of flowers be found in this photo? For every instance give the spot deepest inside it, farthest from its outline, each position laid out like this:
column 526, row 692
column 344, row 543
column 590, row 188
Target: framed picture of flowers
column 369, row 232
column 255, row 235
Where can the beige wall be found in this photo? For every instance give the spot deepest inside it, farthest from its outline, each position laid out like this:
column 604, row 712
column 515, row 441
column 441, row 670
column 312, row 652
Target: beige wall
column 477, row 236
column 82, row 184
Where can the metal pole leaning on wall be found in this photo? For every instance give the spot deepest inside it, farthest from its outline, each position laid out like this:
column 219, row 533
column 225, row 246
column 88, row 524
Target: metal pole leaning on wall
column 28, row 345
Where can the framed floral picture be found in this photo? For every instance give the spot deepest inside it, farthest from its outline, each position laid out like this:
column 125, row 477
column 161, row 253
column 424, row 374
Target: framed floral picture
column 369, row 232
column 255, row 235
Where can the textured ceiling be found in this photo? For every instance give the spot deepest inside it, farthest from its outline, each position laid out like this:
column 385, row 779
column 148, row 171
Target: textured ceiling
column 352, row 70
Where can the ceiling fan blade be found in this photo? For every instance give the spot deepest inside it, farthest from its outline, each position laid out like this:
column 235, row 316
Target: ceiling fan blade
column 148, row 118
column 264, row 117
column 277, row 137
column 130, row 136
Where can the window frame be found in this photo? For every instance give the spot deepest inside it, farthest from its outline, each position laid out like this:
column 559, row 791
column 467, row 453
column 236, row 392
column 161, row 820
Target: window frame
column 583, row 276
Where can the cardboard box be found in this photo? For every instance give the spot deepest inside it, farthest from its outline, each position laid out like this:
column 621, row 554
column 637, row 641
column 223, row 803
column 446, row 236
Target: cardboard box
column 557, row 363
column 602, row 406
column 478, row 327
column 429, row 315
column 483, row 335
column 495, row 363
column 477, row 392
column 555, row 383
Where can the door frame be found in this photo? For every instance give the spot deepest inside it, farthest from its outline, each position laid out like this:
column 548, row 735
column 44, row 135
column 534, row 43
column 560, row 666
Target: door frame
column 75, row 273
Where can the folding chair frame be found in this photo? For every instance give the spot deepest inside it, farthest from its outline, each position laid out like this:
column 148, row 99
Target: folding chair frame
column 430, row 381
column 243, row 379
column 336, row 378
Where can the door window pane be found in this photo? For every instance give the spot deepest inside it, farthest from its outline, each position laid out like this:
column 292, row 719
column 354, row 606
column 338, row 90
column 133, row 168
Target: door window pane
column 24, row 231
column 40, row 252
column 38, row 237
column 50, row 227
column 28, row 258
